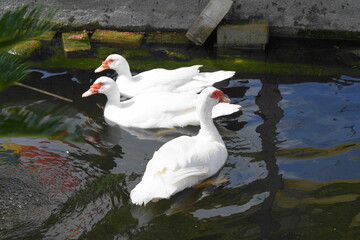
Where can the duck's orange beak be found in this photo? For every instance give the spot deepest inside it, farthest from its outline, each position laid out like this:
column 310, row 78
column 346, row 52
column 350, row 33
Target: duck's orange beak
column 104, row 66
column 93, row 90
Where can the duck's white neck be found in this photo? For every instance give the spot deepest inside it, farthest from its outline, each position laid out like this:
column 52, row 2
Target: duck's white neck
column 124, row 70
column 207, row 126
column 113, row 96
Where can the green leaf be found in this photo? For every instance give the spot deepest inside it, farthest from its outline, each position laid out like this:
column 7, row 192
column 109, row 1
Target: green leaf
column 25, row 23
column 17, row 26
column 11, row 70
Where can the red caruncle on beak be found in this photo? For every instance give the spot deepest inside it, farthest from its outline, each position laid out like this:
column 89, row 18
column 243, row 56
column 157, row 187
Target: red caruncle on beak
column 93, row 89
column 220, row 96
column 104, row 65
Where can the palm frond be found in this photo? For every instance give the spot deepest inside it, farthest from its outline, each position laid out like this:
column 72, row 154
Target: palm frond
column 16, row 26
column 11, row 70
column 25, row 23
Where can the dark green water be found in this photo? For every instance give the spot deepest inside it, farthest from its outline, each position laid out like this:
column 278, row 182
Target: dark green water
column 293, row 170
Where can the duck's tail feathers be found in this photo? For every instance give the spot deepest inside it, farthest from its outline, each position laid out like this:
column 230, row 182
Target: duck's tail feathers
column 163, row 187
column 223, row 109
column 203, row 80
column 140, row 195
column 144, row 193
column 214, row 77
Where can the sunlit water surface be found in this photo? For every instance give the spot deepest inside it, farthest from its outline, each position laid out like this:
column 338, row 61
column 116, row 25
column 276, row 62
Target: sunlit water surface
column 293, row 170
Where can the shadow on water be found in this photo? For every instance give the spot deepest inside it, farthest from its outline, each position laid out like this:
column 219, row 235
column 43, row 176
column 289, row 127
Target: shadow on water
column 293, row 163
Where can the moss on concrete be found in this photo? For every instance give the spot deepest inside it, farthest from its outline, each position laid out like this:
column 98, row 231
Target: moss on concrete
column 76, row 41
column 167, row 37
column 115, row 37
column 26, row 48
column 48, row 36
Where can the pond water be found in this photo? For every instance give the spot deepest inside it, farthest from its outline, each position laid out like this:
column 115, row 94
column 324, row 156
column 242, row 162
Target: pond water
column 293, row 170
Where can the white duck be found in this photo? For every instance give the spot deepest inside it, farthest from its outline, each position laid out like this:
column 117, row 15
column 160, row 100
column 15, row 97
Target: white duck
column 152, row 110
column 183, row 79
column 185, row 161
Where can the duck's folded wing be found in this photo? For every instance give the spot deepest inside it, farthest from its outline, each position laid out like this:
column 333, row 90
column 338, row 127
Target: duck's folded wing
column 166, row 102
column 203, row 80
column 170, row 78
column 182, row 174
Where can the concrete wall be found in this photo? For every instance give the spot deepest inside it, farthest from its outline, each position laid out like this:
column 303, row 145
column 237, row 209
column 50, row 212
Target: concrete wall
column 287, row 16
column 284, row 16
column 142, row 14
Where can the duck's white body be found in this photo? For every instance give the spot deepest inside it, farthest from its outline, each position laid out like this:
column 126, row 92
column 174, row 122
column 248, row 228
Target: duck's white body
column 152, row 110
column 184, row 161
column 185, row 79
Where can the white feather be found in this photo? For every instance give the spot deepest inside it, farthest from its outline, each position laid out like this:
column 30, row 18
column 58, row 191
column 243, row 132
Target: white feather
column 184, row 79
column 154, row 110
column 183, row 161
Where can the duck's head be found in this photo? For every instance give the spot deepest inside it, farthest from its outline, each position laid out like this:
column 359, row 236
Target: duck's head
column 101, row 85
column 113, row 61
column 214, row 95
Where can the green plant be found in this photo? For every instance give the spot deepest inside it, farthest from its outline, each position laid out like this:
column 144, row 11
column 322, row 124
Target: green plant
column 17, row 26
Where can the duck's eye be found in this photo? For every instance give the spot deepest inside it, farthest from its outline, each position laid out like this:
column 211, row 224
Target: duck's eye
column 101, row 84
column 216, row 94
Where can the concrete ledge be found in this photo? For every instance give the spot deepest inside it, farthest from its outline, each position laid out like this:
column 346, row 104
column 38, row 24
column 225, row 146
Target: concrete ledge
column 48, row 36
column 75, row 41
column 167, row 37
column 248, row 34
column 115, row 37
column 26, row 49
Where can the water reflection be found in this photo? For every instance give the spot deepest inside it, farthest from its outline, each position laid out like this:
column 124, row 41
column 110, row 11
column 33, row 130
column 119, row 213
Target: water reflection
column 267, row 100
column 230, row 210
column 162, row 135
column 42, row 176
